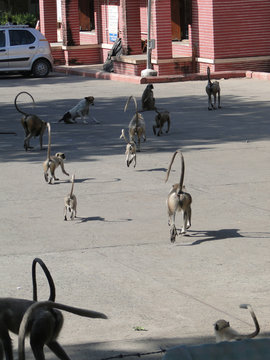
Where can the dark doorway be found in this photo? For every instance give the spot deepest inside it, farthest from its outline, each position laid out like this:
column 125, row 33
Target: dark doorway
column 181, row 15
column 86, row 15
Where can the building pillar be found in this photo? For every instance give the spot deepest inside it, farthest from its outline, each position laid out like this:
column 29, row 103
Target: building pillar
column 161, row 29
column 48, row 19
column 130, row 26
column 70, row 22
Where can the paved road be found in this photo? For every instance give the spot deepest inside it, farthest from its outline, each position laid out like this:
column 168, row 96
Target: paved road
column 116, row 257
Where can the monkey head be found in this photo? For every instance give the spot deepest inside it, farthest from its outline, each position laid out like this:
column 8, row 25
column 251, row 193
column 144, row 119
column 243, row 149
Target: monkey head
column 60, row 155
column 90, row 100
column 221, row 324
column 150, row 86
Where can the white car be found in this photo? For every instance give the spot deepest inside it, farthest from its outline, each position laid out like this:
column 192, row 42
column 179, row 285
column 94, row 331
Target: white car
column 24, row 49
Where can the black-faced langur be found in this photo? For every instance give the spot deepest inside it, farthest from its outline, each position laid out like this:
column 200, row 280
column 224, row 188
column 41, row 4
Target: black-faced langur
column 148, row 100
column 136, row 126
column 32, row 124
column 130, row 150
column 212, row 89
column 70, row 202
column 224, row 332
column 161, row 118
column 52, row 162
column 44, row 322
column 178, row 200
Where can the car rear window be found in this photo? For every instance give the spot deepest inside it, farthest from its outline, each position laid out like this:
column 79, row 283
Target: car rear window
column 21, row 37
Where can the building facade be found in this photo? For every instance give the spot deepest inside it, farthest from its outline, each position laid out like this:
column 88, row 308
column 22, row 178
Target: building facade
column 188, row 35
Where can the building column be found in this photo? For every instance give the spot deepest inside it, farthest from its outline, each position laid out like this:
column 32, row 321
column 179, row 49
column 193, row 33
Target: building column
column 48, row 19
column 161, row 29
column 70, row 22
column 130, row 26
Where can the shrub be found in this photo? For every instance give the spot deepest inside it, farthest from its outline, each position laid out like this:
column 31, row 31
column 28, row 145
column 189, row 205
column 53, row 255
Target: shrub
column 19, row 19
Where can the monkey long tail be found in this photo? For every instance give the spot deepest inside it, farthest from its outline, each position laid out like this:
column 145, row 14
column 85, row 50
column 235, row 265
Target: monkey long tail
column 49, row 141
column 50, row 305
column 182, row 169
column 135, row 103
column 208, row 76
column 15, row 101
column 49, row 278
column 257, row 326
column 72, row 186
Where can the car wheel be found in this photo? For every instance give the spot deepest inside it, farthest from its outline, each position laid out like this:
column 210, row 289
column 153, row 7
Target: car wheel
column 41, row 68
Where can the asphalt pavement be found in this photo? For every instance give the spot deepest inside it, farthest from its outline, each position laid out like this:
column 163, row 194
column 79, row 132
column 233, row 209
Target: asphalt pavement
column 116, row 256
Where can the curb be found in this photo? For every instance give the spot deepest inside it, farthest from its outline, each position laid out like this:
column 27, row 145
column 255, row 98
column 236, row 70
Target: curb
column 103, row 75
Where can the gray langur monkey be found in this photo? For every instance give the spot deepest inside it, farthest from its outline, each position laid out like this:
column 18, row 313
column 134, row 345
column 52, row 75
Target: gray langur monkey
column 212, row 89
column 148, row 100
column 71, row 202
column 32, row 124
column 178, row 200
column 52, row 162
column 46, row 326
column 224, row 332
column 130, row 149
column 12, row 311
column 137, row 125
column 161, row 118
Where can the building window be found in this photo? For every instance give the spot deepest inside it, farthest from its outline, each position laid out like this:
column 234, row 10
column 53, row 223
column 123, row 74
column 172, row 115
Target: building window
column 181, row 15
column 86, row 15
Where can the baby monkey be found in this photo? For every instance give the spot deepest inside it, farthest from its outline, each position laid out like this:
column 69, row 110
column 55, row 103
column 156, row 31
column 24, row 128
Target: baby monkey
column 224, row 332
column 161, row 118
column 130, row 149
column 71, row 202
column 52, row 162
column 212, row 89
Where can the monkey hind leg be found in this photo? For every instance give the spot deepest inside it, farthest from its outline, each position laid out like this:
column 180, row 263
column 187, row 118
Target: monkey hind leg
column 173, row 233
column 57, row 349
column 5, row 344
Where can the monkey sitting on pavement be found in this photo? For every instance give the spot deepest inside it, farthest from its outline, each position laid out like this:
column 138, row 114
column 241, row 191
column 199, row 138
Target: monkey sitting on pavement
column 32, row 124
column 52, row 162
column 130, row 150
column 148, row 100
column 70, row 202
column 137, row 125
column 224, row 332
column 178, row 200
column 161, row 118
column 212, row 89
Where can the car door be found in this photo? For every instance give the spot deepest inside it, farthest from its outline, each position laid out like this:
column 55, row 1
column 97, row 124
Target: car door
column 22, row 49
column 3, row 50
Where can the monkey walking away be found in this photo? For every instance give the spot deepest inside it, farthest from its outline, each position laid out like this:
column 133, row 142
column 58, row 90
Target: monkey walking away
column 224, row 332
column 12, row 311
column 32, row 124
column 46, row 327
column 130, row 150
column 161, row 118
column 148, row 100
column 52, row 162
column 212, row 89
column 178, row 200
column 80, row 110
column 71, row 202
column 137, row 125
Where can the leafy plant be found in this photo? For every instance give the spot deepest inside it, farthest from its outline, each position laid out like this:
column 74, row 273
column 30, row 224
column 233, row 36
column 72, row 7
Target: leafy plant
column 18, row 19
